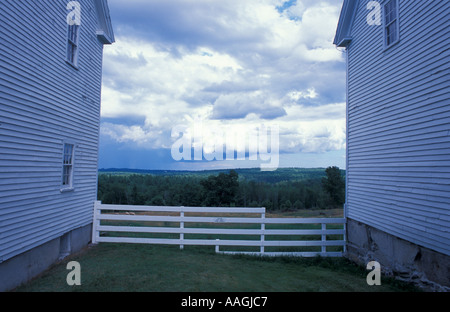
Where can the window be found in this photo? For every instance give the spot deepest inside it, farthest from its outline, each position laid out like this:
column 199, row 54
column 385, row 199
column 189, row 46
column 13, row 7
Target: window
column 67, row 178
column 72, row 44
column 391, row 23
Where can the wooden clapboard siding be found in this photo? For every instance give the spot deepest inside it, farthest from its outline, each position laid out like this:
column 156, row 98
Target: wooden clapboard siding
column 44, row 102
column 399, row 125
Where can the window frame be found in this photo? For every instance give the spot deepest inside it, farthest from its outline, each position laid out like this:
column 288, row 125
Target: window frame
column 386, row 24
column 72, row 47
column 68, row 163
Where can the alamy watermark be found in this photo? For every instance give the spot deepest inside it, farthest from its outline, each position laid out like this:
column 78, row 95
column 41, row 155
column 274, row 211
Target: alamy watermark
column 374, row 16
column 74, row 276
column 374, row 277
column 74, row 16
column 227, row 143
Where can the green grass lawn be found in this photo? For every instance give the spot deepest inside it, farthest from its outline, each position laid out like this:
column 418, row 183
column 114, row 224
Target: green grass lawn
column 151, row 268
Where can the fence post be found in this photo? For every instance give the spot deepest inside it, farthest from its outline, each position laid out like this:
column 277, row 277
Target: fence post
column 263, row 228
column 217, row 246
column 182, row 228
column 96, row 222
column 324, row 237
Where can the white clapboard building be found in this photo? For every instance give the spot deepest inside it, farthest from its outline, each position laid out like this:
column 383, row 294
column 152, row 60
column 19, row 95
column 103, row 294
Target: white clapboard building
column 398, row 120
column 50, row 92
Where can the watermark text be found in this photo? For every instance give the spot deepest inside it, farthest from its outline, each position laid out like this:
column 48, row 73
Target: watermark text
column 199, row 142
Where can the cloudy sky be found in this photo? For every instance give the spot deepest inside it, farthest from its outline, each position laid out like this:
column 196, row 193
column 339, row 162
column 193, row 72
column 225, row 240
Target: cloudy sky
column 231, row 65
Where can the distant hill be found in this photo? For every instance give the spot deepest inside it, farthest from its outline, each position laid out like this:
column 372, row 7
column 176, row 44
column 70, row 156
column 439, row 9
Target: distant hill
column 282, row 174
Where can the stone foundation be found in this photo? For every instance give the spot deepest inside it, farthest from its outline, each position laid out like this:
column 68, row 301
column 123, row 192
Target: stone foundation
column 24, row 267
column 401, row 259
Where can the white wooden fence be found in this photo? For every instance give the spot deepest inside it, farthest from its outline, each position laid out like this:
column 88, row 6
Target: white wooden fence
column 123, row 219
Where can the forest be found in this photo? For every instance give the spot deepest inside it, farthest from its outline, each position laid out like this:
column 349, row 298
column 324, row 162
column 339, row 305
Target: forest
column 283, row 190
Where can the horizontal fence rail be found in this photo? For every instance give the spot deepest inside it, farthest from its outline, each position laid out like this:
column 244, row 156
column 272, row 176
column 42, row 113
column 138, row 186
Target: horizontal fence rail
column 131, row 224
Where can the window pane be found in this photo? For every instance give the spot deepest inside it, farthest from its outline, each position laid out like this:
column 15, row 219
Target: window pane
column 67, row 173
column 391, row 33
column 69, row 159
column 387, row 13
column 73, row 33
column 68, row 153
column 390, row 11
column 70, row 52
column 72, row 43
column 70, row 32
column 74, row 54
column 391, row 22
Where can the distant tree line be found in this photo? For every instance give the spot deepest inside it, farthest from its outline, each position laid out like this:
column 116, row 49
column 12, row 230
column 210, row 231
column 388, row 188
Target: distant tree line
column 222, row 190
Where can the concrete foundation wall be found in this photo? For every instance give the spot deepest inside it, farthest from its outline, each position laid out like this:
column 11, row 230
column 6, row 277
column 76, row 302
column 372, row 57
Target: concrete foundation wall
column 397, row 257
column 22, row 268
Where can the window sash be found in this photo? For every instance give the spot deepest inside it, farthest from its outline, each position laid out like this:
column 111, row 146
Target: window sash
column 391, row 33
column 72, row 53
column 68, row 155
column 391, row 11
column 73, row 34
column 67, row 175
column 72, row 43
column 391, row 25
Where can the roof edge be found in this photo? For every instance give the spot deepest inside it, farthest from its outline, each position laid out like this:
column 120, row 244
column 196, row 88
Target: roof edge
column 344, row 29
column 105, row 32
